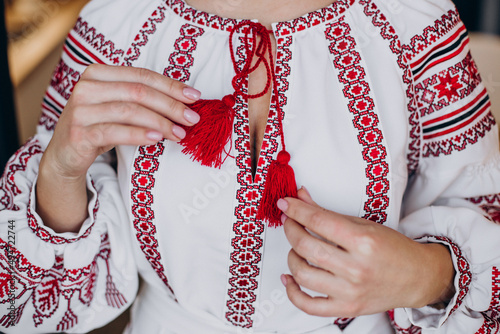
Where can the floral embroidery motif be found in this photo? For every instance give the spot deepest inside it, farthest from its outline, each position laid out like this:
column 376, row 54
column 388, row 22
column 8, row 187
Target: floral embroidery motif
column 47, row 289
column 447, row 87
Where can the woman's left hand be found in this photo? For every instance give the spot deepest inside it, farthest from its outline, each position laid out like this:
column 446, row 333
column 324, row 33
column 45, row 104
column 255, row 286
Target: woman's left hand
column 362, row 267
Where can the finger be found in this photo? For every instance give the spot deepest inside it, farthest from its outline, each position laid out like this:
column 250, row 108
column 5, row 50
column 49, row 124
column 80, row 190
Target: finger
column 311, row 277
column 168, row 86
column 332, row 226
column 126, row 113
column 318, row 306
column 110, row 135
column 314, row 250
column 97, row 92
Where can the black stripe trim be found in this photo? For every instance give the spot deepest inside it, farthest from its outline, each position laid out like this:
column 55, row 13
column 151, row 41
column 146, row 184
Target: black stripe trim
column 453, row 46
column 52, row 106
column 458, row 119
column 72, row 48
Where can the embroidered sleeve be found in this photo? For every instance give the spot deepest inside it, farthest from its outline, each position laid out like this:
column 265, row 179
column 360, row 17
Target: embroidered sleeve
column 449, row 199
column 64, row 282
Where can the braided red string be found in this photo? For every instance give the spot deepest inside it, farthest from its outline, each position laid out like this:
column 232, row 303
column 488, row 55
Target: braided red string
column 254, row 30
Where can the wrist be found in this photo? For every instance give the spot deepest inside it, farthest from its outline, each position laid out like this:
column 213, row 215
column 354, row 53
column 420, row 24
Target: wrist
column 438, row 274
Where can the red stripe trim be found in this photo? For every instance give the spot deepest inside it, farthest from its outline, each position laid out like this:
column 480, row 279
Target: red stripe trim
column 459, row 126
column 439, row 46
column 49, row 109
column 81, row 47
column 70, row 54
column 47, row 94
column 442, row 60
column 468, row 106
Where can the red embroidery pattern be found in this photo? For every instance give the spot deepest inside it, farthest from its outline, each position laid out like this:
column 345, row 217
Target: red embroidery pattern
column 460, row 141
column 46, row 236
column 387, row 31
column 313, row 18
column 98, row 42
column 490, row 204
column 431, row 35
column 465, row 275
column 247, row 242
column 47, row 288
column 17, row 163
column 181, row 59
column 143, row 181
column 399, row 330
column 147, row 162
column 141, row 39
column 449, row 86
column 51, row 109
column 491, row 323
column 64, row 79
column 358, row 93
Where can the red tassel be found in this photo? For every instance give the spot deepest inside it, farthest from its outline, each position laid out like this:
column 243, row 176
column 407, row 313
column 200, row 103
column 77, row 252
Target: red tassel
column 280, row 183
column 206, row 140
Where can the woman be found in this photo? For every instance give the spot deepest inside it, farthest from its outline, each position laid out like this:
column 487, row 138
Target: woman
column 387, row 124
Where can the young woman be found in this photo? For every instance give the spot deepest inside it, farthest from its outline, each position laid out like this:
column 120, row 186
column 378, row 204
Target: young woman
column 377, row 106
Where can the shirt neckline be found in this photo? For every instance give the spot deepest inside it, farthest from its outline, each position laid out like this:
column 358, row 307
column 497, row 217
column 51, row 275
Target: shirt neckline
column 284, row 28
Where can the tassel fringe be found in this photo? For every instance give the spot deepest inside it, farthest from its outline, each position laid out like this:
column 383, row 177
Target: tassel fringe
column 205, row 142
column 280, row 183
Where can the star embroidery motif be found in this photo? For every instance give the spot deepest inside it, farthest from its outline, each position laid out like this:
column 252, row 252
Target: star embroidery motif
column 448, row 86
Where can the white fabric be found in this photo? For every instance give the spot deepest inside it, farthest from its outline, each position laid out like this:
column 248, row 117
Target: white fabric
column 195, row 207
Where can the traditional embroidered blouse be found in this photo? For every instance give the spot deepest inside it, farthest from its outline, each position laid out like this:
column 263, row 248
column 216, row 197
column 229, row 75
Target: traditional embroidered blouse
column 385, row 118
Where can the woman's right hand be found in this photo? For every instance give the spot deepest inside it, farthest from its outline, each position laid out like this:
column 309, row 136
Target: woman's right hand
column 112, row 106
column 109, row 106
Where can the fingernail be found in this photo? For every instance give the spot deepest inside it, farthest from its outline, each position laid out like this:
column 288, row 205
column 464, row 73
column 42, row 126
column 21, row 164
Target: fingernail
column 282, row 204
column 283, row 218
column 307, row 191
column 154, row 135
column 179, row 132
column 191, row 116
column 191, row 93
column 284, row 280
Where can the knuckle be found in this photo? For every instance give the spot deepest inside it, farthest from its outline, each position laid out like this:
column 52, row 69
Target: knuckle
column 90, row 70
column 317, row 218
column 322, row 257
column 366, row 243
column 145, row 75
column 138, row 92
column 301, row 275
column 302, row 245
column 122, row 110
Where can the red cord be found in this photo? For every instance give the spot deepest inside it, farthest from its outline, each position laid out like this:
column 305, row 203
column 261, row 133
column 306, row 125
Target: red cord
column 252, row 50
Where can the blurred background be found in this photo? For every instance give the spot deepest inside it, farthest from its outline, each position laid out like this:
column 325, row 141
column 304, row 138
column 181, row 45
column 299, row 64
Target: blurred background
column 31, row 37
